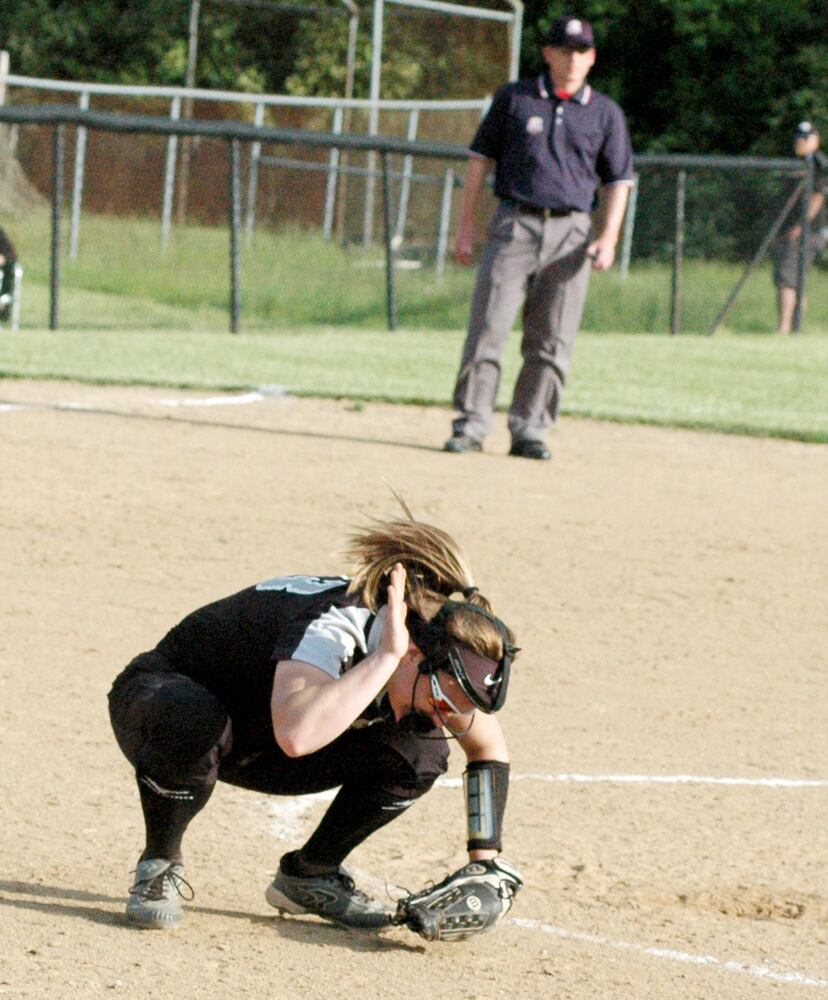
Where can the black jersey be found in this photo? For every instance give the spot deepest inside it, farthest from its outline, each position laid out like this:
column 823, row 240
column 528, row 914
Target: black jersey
column 232, row 646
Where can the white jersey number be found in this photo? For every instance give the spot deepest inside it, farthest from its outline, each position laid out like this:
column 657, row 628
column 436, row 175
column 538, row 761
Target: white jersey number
column 303, row 584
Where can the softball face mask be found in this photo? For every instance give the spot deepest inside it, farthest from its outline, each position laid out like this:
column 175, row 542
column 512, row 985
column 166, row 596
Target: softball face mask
column 484, row 681
column 442, row 702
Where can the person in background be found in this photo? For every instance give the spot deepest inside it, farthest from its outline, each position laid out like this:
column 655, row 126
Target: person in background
column 553, row 141
column 786, row 249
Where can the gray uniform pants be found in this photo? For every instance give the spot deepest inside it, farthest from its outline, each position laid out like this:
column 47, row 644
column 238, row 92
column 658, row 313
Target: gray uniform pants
column 539, row 263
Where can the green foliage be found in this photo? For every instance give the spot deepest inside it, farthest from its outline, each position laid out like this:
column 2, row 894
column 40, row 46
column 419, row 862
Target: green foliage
column 715, row 76
column 708, row 76
column 428, row 65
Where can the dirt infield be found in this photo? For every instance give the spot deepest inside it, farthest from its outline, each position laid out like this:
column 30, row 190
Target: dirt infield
column 668, row 591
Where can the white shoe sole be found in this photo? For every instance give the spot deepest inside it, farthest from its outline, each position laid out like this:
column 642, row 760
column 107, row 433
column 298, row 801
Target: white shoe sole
column 281, row 903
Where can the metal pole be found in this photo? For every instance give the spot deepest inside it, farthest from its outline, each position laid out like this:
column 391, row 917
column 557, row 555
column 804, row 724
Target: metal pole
column 778, row 222
column 169, row 175
column 629, row 226
column 235, row 214
column 405, row 183
column 390, row 288
column 77, row 186
column 445, row 221
column 350, row 57
column 58, row 154
column 353, row 29
column 187, row 141
column 804, row 240
column 678, row 252
column 253, row 176
column 333, row 174
column 515, row 38
column 4, row 72
column 373, row 121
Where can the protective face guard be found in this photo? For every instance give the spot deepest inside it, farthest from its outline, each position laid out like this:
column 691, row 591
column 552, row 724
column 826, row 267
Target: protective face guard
column 442, row 702
column 484, row 681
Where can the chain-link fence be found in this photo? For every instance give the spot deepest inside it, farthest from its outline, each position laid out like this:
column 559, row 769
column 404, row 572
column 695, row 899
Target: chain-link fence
column 697, row 231
column 711, row 216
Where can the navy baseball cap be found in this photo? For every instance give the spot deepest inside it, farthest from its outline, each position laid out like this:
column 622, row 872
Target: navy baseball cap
column 804, row 130
column 570, row 33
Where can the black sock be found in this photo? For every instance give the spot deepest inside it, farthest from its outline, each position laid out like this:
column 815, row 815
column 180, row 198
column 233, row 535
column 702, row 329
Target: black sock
column 352, row 817
column 167, row 814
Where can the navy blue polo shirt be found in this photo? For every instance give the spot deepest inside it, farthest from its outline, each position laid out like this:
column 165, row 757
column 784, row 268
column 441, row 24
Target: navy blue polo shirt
column 554, row 153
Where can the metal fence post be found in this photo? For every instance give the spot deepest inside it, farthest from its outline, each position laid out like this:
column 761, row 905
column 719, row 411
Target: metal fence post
column 58, row 155
column 390, row 286
column 678, row 252
column 629, row 226
column 405, row 183
column 445, row 218
column 804, row 240
column 235, row 213
column 333, row 177
column 253, row 175
column 373, row 120
column 758, row 257
column 77, row 186
column 169, row 174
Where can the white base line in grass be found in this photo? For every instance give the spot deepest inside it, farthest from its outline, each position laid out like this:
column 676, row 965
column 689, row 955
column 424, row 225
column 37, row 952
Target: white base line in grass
column 658, row 779
column 243, row 400
column 671, row 954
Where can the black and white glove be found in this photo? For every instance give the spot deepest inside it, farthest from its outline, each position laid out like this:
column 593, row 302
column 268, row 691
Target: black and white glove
column 473, row 899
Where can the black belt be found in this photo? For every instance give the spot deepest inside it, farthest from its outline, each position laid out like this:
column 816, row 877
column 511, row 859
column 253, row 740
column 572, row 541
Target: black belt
column 544, row 213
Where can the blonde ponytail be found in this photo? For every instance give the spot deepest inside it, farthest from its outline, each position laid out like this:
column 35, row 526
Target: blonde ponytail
column 436, row 566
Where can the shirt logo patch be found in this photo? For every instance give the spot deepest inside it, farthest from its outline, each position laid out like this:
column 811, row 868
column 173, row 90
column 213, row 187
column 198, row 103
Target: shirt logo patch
column 534, row 126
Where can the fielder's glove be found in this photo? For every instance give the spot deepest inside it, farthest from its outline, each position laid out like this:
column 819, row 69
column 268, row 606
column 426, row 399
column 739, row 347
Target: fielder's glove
column 472, row 900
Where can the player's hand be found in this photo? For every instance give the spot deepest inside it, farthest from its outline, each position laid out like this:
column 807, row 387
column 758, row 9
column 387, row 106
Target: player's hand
column 602, row 254
column 794, row 233
column 395, row 637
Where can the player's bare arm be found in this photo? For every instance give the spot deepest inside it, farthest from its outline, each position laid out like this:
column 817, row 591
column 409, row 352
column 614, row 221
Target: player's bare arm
column 309, row 708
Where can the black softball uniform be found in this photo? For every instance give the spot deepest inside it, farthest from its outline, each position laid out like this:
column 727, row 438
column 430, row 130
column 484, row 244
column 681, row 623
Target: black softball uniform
column 196, row 709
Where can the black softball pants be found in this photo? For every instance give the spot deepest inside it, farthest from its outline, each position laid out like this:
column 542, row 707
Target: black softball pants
column 181, row 740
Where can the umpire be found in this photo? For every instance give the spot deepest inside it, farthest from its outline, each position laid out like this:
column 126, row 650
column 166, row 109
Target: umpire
column 553, row 141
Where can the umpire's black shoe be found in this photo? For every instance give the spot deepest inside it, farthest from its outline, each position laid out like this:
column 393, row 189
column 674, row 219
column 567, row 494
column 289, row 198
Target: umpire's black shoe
column 530, row 449
column 460, row 443
column 334, row 897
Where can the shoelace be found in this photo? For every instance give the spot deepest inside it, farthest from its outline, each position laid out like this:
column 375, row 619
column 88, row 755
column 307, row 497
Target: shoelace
column 350, row 887
column 153, row 888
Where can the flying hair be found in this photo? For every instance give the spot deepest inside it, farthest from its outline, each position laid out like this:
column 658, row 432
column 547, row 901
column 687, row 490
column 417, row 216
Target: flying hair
column 436, row 566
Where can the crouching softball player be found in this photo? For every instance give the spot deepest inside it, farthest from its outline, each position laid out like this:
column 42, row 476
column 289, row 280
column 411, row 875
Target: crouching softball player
column 305, row 683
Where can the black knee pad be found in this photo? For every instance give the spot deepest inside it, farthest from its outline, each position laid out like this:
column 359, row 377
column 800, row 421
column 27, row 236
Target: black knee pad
column 169, row 726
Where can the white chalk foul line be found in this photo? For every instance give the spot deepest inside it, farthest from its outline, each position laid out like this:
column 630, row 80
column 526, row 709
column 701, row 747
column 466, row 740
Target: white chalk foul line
column 657, row 779
column 240, row 400
column 746, row 968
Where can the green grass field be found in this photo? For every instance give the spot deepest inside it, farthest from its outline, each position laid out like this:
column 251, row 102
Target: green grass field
column 313, row 322
column 122, row 280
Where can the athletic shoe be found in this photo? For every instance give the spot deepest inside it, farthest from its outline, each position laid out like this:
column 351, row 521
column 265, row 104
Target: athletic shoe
column 530, row 449
column 155, row 898
column 334, row 897
column 460, row 443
